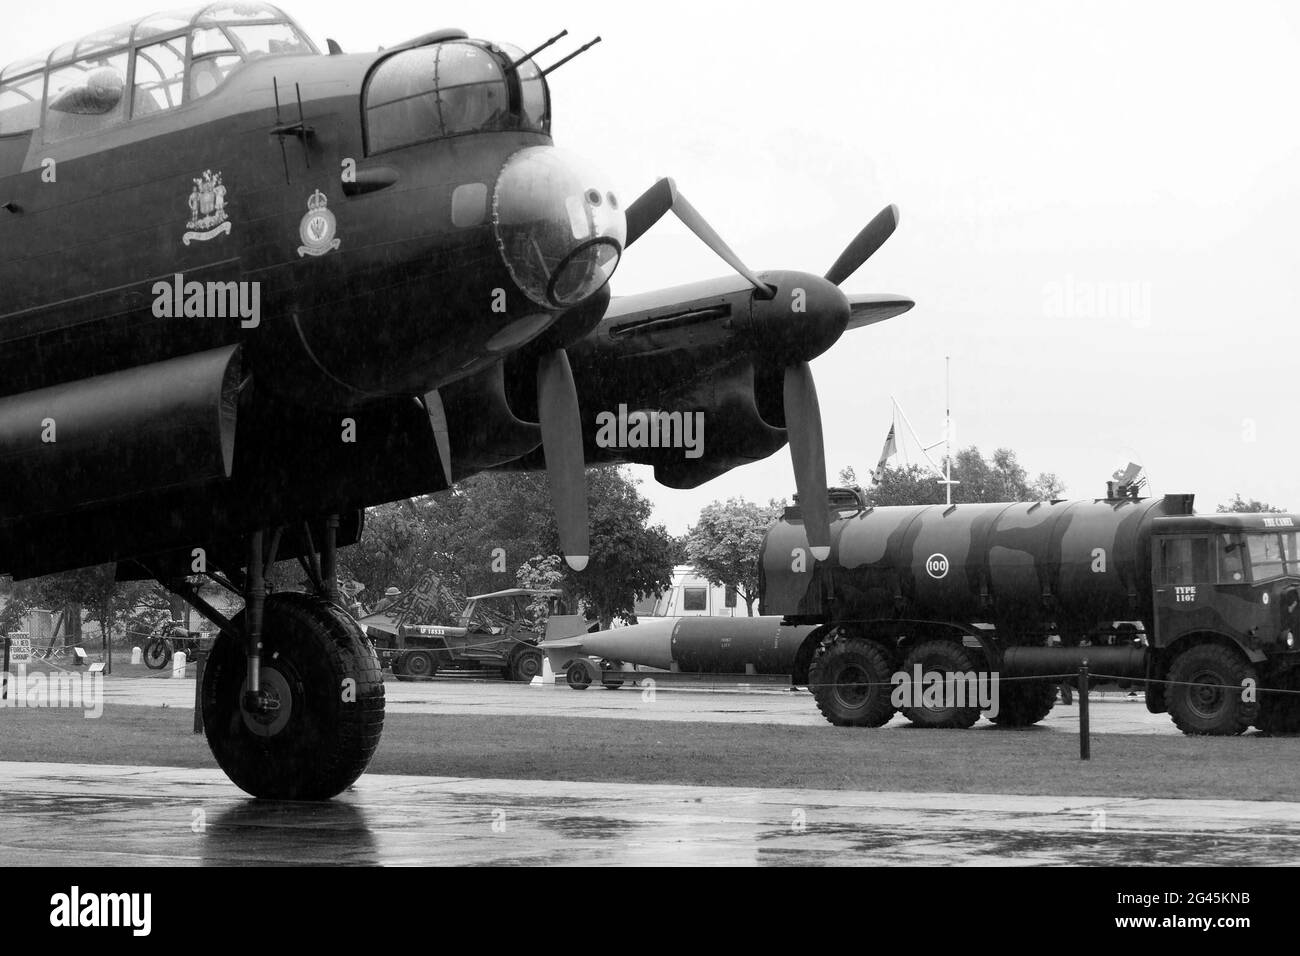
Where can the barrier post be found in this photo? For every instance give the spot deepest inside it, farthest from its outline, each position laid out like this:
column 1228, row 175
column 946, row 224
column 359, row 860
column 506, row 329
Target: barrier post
column 201, row 660
column 1085, row 743
column 4, row 692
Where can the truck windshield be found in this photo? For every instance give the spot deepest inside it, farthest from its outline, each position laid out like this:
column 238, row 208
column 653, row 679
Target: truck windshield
column 1266, row 556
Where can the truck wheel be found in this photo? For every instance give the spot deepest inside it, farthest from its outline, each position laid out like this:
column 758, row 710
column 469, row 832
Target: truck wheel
column 525, row 664
column 324, row 675
column 578, row 676
column 1024, row 703
column 417, row 665
column 1212, row 703
column 850, row 682
column 943, row 657
column 1280, row 713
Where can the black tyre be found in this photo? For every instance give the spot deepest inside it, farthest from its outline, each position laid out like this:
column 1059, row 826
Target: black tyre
column 525, row 664
column 417, row 665
column 1023, row 703
column 849, row 679
column 942, row 657
column 1204, row 694
column 323, row 672
column 578, row 676
column 157, row 653
column 1279, row 713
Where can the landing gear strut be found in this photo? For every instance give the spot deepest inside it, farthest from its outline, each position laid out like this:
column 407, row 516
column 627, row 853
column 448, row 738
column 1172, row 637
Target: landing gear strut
column 293, row 696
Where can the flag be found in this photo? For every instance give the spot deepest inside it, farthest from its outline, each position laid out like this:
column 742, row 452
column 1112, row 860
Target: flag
column 886, row 453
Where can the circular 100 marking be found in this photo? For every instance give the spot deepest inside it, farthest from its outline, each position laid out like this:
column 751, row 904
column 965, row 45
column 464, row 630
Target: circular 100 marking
column 936, row 565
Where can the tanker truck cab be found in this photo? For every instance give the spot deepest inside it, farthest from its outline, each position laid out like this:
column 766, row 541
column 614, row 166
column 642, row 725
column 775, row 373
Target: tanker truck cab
column 1236, row 576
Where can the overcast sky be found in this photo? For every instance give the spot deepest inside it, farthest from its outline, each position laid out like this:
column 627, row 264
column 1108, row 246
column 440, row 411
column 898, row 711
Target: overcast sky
column 1100, row 203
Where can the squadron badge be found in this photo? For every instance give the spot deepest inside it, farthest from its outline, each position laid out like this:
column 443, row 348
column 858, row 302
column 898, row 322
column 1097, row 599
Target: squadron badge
column 317, row 227
column 208, row 216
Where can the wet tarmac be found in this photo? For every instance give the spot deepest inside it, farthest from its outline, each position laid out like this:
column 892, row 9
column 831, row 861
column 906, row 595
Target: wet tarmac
column 126, row 816
column 1113, row 712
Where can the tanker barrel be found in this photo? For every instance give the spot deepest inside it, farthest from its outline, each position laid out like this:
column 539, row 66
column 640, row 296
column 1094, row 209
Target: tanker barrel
column 1128, row 661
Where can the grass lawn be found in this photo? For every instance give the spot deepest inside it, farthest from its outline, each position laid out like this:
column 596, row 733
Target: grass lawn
column 637, row 751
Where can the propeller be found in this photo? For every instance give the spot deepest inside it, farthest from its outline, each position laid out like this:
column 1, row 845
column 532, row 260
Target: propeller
column 864, row 245
column 662, row 198
column 803, row 423
column 441, row 433
column 561, row 421
column 802, row 412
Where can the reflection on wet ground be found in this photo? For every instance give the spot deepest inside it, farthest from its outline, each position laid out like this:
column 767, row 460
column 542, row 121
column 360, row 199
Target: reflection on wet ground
column 111, row 815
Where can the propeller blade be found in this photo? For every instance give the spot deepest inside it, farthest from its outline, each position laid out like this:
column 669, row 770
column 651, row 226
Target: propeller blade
column 441, row 433
column 697, row 224
column 864, row 244
column 803, row 423
column 868, row 308
column 561, row 421
column 648, row 209
column 662, row 197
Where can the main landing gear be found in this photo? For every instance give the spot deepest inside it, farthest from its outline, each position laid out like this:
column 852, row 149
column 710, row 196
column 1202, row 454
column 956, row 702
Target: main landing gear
column 293, row 697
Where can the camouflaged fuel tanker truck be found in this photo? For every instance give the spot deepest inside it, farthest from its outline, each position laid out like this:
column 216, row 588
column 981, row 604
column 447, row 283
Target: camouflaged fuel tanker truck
column 1202, row 609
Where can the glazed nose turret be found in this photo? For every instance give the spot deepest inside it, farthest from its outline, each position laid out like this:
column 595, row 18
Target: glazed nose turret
column 558, row 224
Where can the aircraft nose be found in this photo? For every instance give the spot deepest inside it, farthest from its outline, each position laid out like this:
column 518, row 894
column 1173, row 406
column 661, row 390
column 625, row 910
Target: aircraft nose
column 559, row 225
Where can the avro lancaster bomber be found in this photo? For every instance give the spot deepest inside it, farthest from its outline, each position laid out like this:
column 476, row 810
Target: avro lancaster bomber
column 248, row 289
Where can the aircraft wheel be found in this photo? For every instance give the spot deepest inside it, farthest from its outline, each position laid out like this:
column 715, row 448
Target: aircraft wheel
column 157, row 654
column 578, row 676
column 850, row 682
column 418, row 665
column 942, row 657
column 1024, row 703
column 324, row 674
column 1204, row 693
column 525, row 664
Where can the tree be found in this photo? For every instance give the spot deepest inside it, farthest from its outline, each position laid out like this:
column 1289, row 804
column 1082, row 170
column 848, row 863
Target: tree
column 1238, row 505
column 724, row 544
column 999, row 478
column 908, row 485
column 630, row 559
column 106, row 600
column 483, row 533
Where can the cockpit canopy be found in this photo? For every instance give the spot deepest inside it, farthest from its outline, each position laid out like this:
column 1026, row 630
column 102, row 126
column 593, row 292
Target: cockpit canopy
column 450, row 88
column 164, row 61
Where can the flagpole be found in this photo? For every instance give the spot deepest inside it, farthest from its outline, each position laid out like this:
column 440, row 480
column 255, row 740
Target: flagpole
column 947, row 424
column 947, row 481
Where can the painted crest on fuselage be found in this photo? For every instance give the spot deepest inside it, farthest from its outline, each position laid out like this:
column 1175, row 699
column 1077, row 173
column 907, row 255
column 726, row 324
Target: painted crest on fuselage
column 208, row 217
column 317, row 227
